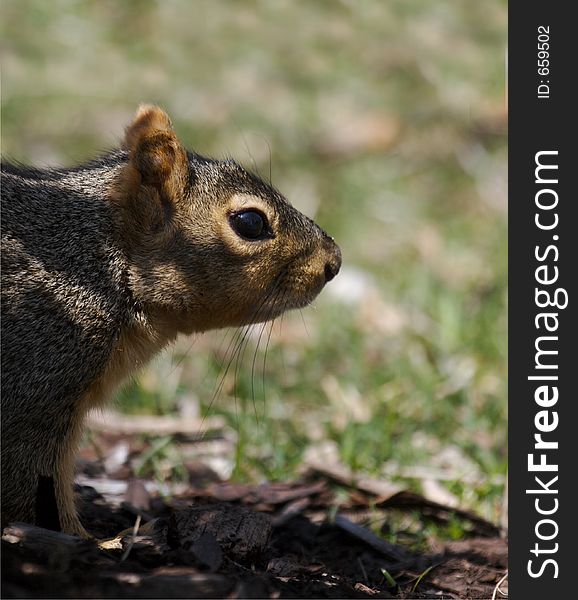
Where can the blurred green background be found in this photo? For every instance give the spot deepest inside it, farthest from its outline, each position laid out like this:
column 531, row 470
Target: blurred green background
column 383, row 120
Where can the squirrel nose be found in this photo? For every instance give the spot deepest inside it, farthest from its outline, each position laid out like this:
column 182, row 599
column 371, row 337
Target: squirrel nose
column 333, row 265
column 331, row 270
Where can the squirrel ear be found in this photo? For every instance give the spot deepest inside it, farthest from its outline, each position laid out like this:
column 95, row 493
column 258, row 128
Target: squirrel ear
column 155, row 152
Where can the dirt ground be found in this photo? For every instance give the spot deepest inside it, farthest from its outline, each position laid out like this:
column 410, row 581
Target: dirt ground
column 312, row 538
column 241, row 549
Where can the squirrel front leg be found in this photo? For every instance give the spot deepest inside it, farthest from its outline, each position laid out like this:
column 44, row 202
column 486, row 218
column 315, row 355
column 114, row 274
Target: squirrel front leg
column 49, row 484
column 63, row 477
column 38, row 475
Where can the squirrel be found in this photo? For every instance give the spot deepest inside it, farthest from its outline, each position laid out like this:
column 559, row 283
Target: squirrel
column 104, row 264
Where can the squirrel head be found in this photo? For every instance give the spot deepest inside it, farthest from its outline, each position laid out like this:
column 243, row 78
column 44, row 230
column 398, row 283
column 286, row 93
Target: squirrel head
column 209, row 244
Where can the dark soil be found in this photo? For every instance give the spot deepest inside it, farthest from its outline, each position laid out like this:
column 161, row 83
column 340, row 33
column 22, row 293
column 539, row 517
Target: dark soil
column 263, row 542
column 324, row 536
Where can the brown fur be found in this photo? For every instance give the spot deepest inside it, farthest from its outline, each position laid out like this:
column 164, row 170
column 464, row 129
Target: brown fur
column 103, row 265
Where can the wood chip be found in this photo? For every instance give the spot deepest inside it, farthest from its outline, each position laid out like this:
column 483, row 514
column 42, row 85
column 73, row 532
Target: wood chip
column 239, row 531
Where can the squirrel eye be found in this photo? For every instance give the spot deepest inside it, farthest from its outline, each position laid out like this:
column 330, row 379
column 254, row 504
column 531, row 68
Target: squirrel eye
column 249, row 224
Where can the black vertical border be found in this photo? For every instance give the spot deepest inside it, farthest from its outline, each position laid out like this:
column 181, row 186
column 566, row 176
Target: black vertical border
column 534, row 125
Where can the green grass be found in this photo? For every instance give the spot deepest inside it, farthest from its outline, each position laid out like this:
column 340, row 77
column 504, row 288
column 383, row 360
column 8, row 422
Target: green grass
column 407, row 362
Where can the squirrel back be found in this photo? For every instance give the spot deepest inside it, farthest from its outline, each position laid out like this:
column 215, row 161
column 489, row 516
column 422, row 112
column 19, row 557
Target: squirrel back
column 104, row 264
column 64, row 294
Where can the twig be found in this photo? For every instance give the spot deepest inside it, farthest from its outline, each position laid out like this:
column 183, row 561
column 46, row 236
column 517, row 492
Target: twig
column 363, row 534
column 132, row 539
column 362, row 567
column 191, row 428
column 497, row 588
